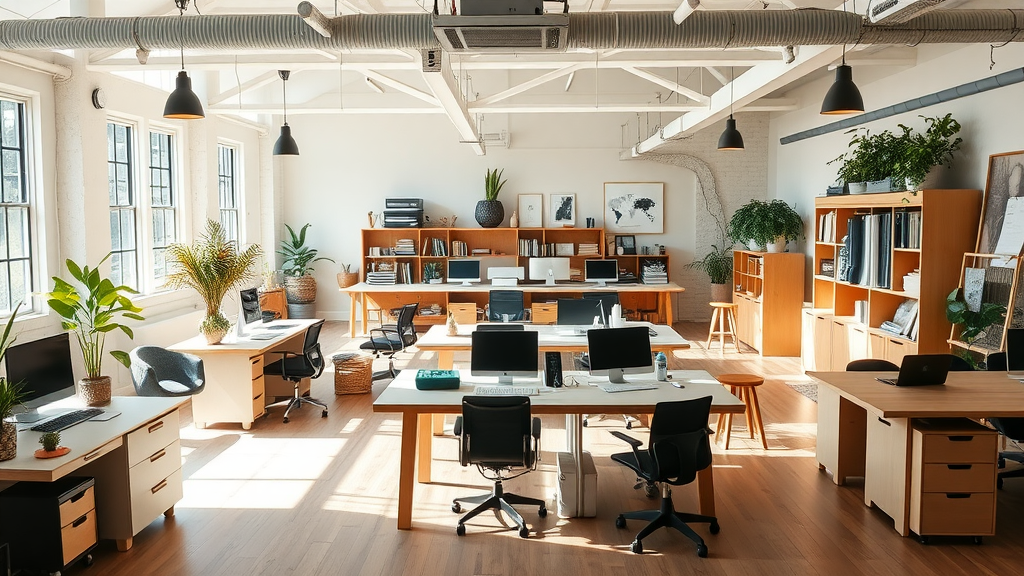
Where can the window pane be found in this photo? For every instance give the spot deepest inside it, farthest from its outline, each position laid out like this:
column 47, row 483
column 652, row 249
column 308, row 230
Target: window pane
column 9, row 123
column 115, row 269
column 170, row 227
column 120, row 143
column 17, row 232
column 5, row 286
column 158, row 228
column 19, row 281
column 3, row 239
column 112, row 183
column 115, row 230
column 11, row 162
column 128, row 229
column 128, row 261
column 110, row 143
column 159, row 265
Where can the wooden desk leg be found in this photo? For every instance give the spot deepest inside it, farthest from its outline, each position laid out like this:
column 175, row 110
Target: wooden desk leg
column 124, row 545
column 352, row 315
column 406, row 473
column 668, row 307
column 424, row 439
column 706, row 492
column 437, row 421
column 445, row 359
column 169, row 513
column 365, row 318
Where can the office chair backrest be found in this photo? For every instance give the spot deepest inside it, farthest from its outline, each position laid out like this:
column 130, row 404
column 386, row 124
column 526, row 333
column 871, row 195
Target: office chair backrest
column 505, row 302
column 960, row 365
column 872, row 365
column 496, row 431
column 311, row 348
column 405, row 325
column 1012, row 428
column 608, row 299
column 679, row 444
column 996, row 362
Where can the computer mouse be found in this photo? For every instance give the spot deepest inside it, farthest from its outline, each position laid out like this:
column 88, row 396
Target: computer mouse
column 678, row 384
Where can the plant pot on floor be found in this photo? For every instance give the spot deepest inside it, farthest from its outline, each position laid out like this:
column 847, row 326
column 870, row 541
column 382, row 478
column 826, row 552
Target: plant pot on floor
column 300, row 289
column 8, row 441
column 95, row 391
column 721, row 293
column 489, row 213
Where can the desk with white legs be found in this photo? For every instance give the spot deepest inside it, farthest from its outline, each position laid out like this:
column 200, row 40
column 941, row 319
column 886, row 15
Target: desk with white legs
column 416, row 406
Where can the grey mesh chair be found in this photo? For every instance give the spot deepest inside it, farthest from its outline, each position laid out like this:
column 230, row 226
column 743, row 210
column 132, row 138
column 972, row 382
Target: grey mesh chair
column 157, row 371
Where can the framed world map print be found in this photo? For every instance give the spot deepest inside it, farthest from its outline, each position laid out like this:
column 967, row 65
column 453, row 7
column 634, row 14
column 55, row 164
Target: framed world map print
column 634, row 207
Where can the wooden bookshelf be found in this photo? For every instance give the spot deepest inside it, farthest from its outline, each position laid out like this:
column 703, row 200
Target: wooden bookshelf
column 768, row 290
column 948, row 229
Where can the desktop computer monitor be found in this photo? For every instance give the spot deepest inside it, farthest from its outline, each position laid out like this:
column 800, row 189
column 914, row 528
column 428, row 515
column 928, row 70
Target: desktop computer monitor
column 549, row 269
column 619, row 351
column 578, row 312
column 249, row 300
column 464, row 271
column 601, row 271
column 1015, row 353
column 505, row 354
column 44, row 367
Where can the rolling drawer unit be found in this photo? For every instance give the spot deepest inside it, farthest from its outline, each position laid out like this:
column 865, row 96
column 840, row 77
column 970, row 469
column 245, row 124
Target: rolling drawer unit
column 464, row 312
column 49, row 525
column 544, row 312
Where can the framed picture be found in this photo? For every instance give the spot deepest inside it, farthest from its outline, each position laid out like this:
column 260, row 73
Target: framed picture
column 634, row 207
column 827, row 267
column 531, row 210
column 627, row 242
column 1002, row 215
column 563, row 210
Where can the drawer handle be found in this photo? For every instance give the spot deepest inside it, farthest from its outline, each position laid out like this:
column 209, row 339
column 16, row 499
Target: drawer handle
column 91, row 455
column 257, row 397
column 957, row 496
column 960, row 438
column 156, row 427
column 158, row 456
column 159, row 487
column 895, row 343
column 256, row 360
column 884, row 422
column 77, row 497
column 959, row 466
column 80, row 521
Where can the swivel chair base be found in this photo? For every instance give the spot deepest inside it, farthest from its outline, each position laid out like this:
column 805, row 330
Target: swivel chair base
column 1016, row 473
column 497, row 500
column 382, row 374
column 296, row 402
column 667, row 517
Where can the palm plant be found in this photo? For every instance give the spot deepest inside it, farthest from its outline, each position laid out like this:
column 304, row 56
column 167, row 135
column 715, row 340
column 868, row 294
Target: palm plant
column 212, row 266
column 10, row 392
column 493, row 183
column 717, row 264
column 298, row 256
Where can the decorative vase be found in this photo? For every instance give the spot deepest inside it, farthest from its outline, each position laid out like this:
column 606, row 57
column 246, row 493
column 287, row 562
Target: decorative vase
column 214, row 327
column 513, row 222
column 489, row 213
column 8, row 440
column 857, row 187
column 721, row 293
column 300, row 289
column 778, row 246
column 453, row 326
column 754, row 246
column 95, row 391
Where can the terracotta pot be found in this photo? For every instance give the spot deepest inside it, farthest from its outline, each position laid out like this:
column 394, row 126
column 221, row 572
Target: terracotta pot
column 95, row 391
column 721, row 293
column 8, row 441
column 300, row 289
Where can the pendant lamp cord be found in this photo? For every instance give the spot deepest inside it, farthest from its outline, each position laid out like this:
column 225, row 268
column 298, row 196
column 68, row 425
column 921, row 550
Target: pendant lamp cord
column 732, row 88
column 182, row 6
column 844, row 42
column 284, row 92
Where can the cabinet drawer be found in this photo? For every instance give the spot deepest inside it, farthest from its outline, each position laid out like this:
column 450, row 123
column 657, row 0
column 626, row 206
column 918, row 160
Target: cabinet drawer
column 258, row 406
column 958, row 477
column 73, row 508
column 78, row 535
column 259, row 386
column 464, row 312
column 953, row 514
column 257, row 366
column 151, row 500
column 544, row 313
column 959, row 448
column 157, row 466
column 151, row 437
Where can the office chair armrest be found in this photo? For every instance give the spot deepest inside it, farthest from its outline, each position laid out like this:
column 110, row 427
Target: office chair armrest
column 627, row 439
column 384, row 336
column 284, row 356
column 536, row 428
column 458, row 426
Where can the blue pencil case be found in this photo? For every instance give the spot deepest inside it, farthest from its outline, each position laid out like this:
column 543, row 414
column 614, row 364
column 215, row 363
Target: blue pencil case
column 437, row 379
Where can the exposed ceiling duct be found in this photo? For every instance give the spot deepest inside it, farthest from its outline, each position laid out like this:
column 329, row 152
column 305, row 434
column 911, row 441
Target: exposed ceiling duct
column 611, row 30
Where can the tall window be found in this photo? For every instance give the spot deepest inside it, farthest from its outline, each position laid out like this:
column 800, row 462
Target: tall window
column 124, row 261
column 161, row 186
column 15, row 235
column 227, row 186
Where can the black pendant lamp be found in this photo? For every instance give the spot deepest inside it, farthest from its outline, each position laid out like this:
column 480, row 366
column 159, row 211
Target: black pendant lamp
column 183, row 104
column 844, row 96
column 731, row 139
column 285, row 145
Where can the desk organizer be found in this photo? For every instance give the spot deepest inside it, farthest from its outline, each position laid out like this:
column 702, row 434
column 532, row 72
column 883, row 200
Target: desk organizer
column 437, row 379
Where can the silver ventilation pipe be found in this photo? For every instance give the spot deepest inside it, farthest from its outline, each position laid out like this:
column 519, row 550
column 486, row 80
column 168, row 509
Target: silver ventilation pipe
column 636, row 30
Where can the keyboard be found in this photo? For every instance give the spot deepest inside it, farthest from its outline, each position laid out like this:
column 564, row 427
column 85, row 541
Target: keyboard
column 66, row 420
column 609, row 387
column 506, row 390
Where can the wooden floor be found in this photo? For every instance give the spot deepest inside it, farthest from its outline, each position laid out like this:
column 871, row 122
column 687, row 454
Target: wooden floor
column 319, row 496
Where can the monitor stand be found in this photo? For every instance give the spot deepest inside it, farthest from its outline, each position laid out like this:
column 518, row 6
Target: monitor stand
column 551, row 278
column 29, row 417
column 616, row 376
column 466, row 283
column 505, row 379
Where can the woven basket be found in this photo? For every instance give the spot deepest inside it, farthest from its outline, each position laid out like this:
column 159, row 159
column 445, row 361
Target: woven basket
column 300, row 289
column 95, row 391
column 353, row 373
column 346, row 279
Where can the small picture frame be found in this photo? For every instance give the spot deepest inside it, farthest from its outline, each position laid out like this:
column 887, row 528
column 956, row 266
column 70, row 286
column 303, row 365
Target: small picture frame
column 563, row 210
column 827, row 267
column 531, row 210
column 627, row 242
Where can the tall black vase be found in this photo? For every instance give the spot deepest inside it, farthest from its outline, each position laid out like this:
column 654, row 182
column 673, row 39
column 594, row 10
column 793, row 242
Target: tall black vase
column 489, row 213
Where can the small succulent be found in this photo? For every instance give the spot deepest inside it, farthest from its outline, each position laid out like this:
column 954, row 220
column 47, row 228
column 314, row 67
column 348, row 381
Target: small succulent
column 50, row 441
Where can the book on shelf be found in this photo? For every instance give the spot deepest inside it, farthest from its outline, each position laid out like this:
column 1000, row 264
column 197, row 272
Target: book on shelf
column 653, row 272
column 904, row 320
column 589, row 249
column 533, row 248
column 870, row 250
column 827, row 227
column 564, row 249
column 907, row 229
column 459, row 248
column 480, row 251
column 405, row 247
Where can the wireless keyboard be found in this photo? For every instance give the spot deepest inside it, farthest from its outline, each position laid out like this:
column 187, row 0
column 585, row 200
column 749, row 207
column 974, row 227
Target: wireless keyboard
column 506, row 391
column 626, row 387
column 67, row 420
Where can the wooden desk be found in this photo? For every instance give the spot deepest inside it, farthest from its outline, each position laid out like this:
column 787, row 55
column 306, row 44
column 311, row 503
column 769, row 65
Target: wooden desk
column 416, row 406
column 864, row 426
column 393, row 296
column 235, row 387
column 135, row 458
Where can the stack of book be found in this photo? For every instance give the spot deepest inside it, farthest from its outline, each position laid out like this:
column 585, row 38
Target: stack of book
column 653, row 272
column 912, row 283
column 868, row 240
column 434, row 247
column 907, row 232
column 403, row 212
column 405, row 247
column 564, row 249
column 480, row 251
column 905, row 321
column 380, row 278
column 378, row 251
column 827, row 227
column 533, row 248
column 589, row 249
column 459, row 248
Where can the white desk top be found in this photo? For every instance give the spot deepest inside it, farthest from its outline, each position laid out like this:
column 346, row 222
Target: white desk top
column 84, row 438
column 231, row 343
column 548, row 337
column 485, row 287
column 401, row 394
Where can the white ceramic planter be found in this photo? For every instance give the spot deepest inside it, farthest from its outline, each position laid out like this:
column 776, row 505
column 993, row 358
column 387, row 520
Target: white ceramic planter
column 778, row 246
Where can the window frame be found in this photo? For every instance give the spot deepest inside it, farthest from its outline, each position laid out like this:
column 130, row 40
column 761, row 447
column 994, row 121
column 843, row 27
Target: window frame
column 239, row 197
column 27, row 126
column 153, row 283
column 134, row 185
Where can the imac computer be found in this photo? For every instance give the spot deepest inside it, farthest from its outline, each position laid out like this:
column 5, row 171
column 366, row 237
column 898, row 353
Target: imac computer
column 549, row 269
column 44, row 367
column 619, row 351
column 464, row 271
column 1015, row 353
column 505, row 354
column 249, row 300
column 579, row 312
column 601, row 271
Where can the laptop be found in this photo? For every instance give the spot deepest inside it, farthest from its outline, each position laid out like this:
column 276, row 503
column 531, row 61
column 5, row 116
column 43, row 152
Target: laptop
column 499, row 326
column 1015, row 353
column 922, row 370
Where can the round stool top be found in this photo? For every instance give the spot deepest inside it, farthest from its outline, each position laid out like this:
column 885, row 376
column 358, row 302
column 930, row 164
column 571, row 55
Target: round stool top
column 740, row 379
column 722, row 305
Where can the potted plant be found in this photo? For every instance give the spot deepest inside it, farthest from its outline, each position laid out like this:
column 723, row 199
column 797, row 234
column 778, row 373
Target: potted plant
column 212, row 266
column 51, row 446
column 765, row 225
column 717, row 264
column 870, row 158
column 299, row 282
column 11, row 394
column 972, row 323
column 91, row 308
column 432, row 273
column 922, row 152
column 490, row 212
column 347, row 277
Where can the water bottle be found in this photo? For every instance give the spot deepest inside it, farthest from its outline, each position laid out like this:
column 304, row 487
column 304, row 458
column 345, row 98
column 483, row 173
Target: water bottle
column 661, row 367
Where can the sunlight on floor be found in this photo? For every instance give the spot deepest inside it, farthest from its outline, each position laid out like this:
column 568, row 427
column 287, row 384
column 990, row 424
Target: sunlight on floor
column 352, row 425
column 244, row 494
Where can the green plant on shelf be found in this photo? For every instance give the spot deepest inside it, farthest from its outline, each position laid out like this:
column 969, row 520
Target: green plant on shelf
column 972, row 323
column 493, row 184
column 431, row 271
column 765, row 222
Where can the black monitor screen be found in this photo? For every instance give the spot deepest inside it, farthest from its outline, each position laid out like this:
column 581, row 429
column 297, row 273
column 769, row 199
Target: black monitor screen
column 621, row 348
column 44, row 366
column 601, row 269
column 463, row 269
column 250, row 301
column 575, row 312
column 1015, row 349
column 504, row 351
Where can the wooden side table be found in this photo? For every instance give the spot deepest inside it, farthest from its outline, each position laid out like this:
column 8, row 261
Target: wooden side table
column 276, row 302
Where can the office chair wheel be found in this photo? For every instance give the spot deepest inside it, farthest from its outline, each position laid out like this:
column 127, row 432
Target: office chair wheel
column 524, row 532
column 323, row 414
column 620, row 522
column 977, row 540
column 714, row 528
column 636, row 547
column 88, row 560
column 702, row 550
column 629, row 425
column 584, row 422
column 285, row 419
column 923, row 540
column 456, row 507
column 542, row 512
column 460, row 529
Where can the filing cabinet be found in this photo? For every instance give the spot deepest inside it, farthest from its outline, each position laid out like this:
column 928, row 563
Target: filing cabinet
column 49, row 525
column 544, row 312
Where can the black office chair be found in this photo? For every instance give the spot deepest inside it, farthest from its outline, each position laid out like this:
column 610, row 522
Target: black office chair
column 679, row 448
column 608, row 299
column 505, row 303
column 872, row 365
column 390, row 339
column 1012, row 428
column 295, row 367
column 498, row 435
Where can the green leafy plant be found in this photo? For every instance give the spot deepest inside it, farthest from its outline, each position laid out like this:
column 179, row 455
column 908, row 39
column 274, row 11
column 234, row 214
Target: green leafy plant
column 11, row 393
column 493, row 183
column 933, row 148
column 50, row 441
column 972, row 323
column 91, row 309
column 764, row 222
column 298, row 256
column 431, row 271
column 717, row 264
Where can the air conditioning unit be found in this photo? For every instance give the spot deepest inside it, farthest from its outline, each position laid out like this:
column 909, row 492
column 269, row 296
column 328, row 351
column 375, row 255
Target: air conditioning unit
column 898, row 11
column 502, row 34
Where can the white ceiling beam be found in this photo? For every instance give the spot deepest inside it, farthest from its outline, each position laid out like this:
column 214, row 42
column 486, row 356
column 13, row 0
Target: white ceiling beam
column 316, row 110
column 666, row 83
column 253, row 84
column 529, row 84
column 401, row 87
column 446, row 89
column 718, row 75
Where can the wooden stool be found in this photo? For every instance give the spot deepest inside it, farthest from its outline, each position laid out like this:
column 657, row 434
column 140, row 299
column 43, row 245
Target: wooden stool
column 747, row 385
column 724, row 312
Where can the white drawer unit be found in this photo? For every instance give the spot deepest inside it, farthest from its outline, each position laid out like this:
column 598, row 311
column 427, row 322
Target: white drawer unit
column 146, row 441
